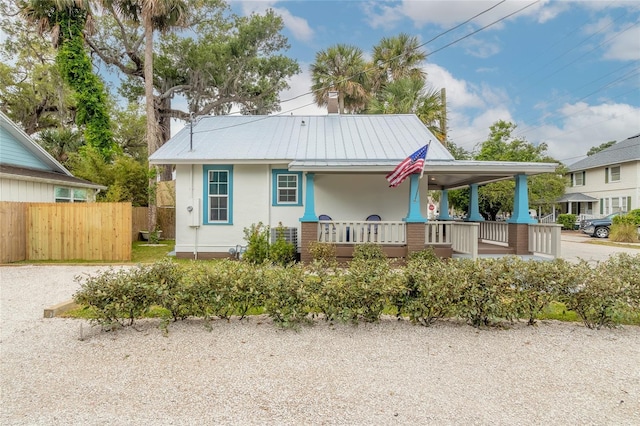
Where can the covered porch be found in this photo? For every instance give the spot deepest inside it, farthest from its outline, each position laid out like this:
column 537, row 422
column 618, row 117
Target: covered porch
column 412, row 231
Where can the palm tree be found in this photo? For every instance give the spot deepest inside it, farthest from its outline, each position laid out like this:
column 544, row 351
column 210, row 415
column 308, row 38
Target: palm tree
column 395, row 58
column 155, row 15
column 341, row 68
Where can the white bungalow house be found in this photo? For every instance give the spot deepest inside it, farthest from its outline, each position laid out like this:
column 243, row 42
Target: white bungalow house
column 323, row 178
column 605, row 182
column 28, row 173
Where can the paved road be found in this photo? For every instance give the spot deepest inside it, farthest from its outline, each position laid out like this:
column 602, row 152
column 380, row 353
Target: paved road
column 576, row 246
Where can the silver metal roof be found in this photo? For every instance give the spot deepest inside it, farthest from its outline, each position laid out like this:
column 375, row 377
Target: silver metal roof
column 621, row 152
column 331, row 144
column 345, row 139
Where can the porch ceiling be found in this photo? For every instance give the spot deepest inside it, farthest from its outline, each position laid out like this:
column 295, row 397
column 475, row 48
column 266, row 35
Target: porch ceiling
column 441, row 174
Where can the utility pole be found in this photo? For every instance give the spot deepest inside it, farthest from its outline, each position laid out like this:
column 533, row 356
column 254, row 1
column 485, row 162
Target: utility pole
column 443, row 116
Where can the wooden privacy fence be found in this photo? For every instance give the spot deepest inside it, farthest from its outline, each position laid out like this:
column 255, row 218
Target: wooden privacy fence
column 13, row 232
column 166, row 222
column 65, row 231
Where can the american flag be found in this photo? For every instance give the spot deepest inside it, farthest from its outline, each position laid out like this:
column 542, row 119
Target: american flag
column 412, row 164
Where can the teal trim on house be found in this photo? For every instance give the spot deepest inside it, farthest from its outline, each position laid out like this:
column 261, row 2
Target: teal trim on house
column 275, row 173
column 14, row 153
column 309, row 201
column 473, row 215
column 414, row 215
column 444, row 205
column 521, row 202
column 222, row 186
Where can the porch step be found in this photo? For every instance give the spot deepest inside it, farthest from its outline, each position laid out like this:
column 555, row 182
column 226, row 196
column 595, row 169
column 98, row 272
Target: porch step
column 486, row 248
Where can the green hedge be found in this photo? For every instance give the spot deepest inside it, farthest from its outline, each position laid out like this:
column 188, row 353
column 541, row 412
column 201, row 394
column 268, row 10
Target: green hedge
column 481, row 292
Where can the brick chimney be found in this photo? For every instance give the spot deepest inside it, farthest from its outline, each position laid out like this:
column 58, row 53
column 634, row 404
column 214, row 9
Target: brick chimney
column 332, row 102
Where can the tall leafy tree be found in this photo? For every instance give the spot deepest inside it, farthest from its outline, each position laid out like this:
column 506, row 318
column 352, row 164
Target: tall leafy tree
column 154, row 15
column 340, row 67
column 502, row 146
column 32, row 91
column 65, row 21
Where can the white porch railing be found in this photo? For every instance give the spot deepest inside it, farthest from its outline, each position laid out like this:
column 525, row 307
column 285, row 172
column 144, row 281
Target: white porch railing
column 550, row 218
column 545, row 239
column 438, row 232
column 464, row 238
column 495, row 232
column 362, row 231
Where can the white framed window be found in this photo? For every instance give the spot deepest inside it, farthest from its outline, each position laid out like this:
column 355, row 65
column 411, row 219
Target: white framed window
column 578, row 179
column 218, row 194
column 614, row 174
column 287, row 188
column 70, row 195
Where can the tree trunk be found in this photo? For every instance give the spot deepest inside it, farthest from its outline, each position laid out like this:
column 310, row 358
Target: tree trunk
column 164, row 121
column 152, row 126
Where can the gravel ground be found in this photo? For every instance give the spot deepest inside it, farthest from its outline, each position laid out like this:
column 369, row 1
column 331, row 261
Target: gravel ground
column 250, row 372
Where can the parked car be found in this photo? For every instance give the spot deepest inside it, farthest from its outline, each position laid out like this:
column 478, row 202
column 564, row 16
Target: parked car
column 599, row 227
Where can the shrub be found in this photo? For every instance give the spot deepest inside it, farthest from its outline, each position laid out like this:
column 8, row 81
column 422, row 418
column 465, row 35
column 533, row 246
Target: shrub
column 429, row 293
column 624, row 228
column 287, row 295
column 168, row 291
column 257, row 238
column 117, row 297
column 633, row 218
column 368, row 251
column 370, row 286
column 282, row 252
column 597, row 294
column 481, row 295
column 532, row 285
column 568, row 221
column 624, row 233
column 325, row 254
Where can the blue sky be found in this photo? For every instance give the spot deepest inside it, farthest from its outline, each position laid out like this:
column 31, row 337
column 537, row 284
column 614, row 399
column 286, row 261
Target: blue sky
column 567, row 73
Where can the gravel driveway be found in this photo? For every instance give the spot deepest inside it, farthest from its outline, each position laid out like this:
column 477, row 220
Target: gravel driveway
column 250, row 372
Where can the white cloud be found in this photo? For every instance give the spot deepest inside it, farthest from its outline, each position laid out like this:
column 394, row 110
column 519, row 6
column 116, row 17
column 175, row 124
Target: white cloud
column 301, row 102
column 449, row 13
column 379, row 15
column 481, row 48
column 625, row 46
column 583, row 126
column 298, row 26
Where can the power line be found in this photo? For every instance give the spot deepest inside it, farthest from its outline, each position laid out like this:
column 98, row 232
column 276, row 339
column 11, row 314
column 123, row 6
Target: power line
column 417, row 47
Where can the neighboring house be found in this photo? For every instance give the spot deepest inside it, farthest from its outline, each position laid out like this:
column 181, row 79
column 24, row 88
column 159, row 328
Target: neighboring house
column 235, row 171
column 29, row 173
column 605, row 182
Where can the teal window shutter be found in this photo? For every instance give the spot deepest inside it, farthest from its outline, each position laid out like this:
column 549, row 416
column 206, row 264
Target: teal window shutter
column 571, row 179
column 606, row 175
column 628, row 204
column 584, row 178
column 601, row 205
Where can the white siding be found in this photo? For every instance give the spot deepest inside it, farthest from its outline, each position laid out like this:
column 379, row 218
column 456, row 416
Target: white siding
column 597, row 187
column 27, row 191
column 343, row 197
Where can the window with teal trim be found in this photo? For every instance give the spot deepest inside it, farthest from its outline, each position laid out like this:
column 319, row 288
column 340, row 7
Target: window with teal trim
column 218, row 188
column 287, row 188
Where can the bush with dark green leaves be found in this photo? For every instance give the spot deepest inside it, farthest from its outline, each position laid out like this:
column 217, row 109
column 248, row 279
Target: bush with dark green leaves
column 603, row 294
column 568, row 221
column 429, row 290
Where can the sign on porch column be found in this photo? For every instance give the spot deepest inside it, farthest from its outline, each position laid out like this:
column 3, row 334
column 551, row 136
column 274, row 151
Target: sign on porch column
column 521, row 202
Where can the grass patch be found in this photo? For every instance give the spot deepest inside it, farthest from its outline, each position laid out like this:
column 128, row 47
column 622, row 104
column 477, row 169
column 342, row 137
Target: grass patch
column 143, row 252
column 613, row 244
